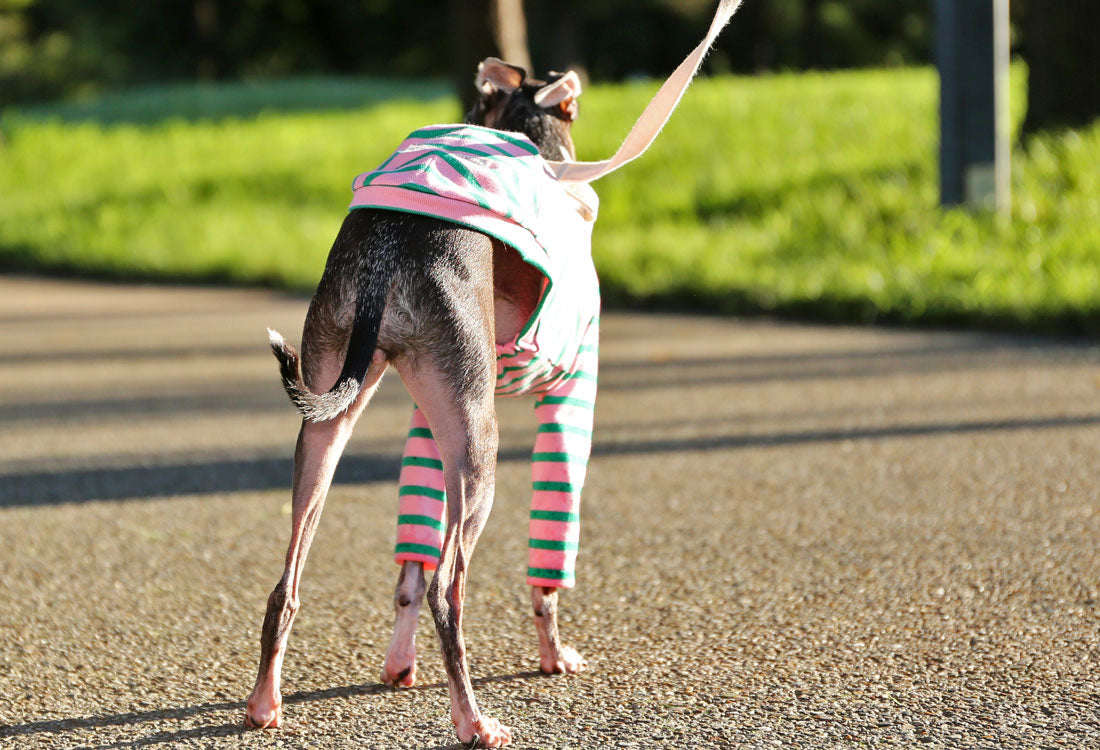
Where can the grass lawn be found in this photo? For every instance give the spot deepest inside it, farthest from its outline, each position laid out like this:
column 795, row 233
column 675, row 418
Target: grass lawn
column 811, row 195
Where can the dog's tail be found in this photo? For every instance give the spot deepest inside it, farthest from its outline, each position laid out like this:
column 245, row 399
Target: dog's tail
column 316, row 407
column 320, row 407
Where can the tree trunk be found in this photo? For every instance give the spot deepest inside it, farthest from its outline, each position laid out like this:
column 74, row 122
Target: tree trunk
column 471, row 42
column 811, row 34
column 206, row 37
column 566, row 32
column 1063, row 56
column 752, row 38
column 510, row 30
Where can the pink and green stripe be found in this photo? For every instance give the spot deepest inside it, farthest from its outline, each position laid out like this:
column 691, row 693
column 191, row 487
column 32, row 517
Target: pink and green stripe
column 421, row 497
column 498, row 184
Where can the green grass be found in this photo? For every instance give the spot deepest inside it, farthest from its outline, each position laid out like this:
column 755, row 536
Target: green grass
column 254, row 201
column 807, row 195
column 817, row 195
column 208, row 101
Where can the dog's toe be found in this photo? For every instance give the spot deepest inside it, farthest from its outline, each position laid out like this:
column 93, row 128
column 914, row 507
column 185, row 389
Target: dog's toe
column 263, row 717
column 484, row 732
column 567, row 661
column 399, row 678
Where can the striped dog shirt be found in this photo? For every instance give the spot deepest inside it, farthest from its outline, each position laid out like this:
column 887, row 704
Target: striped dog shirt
column 498, row 184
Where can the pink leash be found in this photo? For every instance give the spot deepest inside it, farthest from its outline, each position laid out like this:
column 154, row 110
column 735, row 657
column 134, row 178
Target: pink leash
column 656, row 114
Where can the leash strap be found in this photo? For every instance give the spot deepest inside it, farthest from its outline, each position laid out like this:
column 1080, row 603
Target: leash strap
column 656, row 113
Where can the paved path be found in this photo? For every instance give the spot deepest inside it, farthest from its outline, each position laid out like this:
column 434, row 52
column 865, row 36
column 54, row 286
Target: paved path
column 795, row 536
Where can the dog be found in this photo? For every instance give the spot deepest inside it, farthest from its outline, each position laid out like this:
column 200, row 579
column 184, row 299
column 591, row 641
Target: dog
column 464, row 308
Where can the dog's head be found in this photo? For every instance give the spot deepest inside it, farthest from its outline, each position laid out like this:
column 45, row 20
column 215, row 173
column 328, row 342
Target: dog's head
column 542, row 110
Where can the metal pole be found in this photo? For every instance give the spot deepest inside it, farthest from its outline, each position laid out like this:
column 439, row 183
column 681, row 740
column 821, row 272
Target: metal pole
column 1002, row 44
column 972, row 56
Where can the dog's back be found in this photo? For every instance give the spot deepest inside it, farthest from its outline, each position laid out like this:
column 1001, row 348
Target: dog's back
column 389, row 275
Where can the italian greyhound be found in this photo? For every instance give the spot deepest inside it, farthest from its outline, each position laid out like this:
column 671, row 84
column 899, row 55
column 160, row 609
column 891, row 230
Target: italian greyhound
column 443, row 304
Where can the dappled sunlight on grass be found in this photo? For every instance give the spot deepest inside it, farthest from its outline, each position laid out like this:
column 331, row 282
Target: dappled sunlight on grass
column 255, row 200
column 811, row 194
column 817, row 195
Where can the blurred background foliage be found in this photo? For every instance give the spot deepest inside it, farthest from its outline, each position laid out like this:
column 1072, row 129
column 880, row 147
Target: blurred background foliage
column 210, row 140
column 51, row 48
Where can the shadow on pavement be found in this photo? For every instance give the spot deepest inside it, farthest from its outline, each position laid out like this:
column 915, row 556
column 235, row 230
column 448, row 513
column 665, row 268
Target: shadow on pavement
column 643, row 374
column 55, row 726
column 265, row 396
column 968, row 355
column 173, row 479
column 59, row 355
column 35, row 488
column 726, row 442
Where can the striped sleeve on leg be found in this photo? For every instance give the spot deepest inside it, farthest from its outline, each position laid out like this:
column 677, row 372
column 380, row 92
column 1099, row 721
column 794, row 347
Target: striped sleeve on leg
column 563, row 443
column 420, row 498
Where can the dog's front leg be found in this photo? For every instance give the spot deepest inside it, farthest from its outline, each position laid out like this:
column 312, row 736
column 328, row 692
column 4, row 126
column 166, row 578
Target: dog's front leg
column 399, row 669
column 563, row 444
column 554, row 656
column 420, row 524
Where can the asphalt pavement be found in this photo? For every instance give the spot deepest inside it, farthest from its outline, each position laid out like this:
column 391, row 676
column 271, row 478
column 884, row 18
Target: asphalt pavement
column 793, row 536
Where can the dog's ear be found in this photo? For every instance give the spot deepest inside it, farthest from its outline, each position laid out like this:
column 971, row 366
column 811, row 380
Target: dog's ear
column 493, row 74
column 562, row 93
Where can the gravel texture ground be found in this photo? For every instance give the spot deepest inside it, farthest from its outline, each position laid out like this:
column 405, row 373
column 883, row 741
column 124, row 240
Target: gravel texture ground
column 795, row 536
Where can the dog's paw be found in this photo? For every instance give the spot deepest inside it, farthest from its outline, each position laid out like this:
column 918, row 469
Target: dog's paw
column 484, row 732
column 566, row 661
column 261, row 714
column 398, row 677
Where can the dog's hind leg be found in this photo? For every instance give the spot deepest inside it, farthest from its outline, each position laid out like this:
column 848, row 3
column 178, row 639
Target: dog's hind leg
column 455, row 391
column 318, row 450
